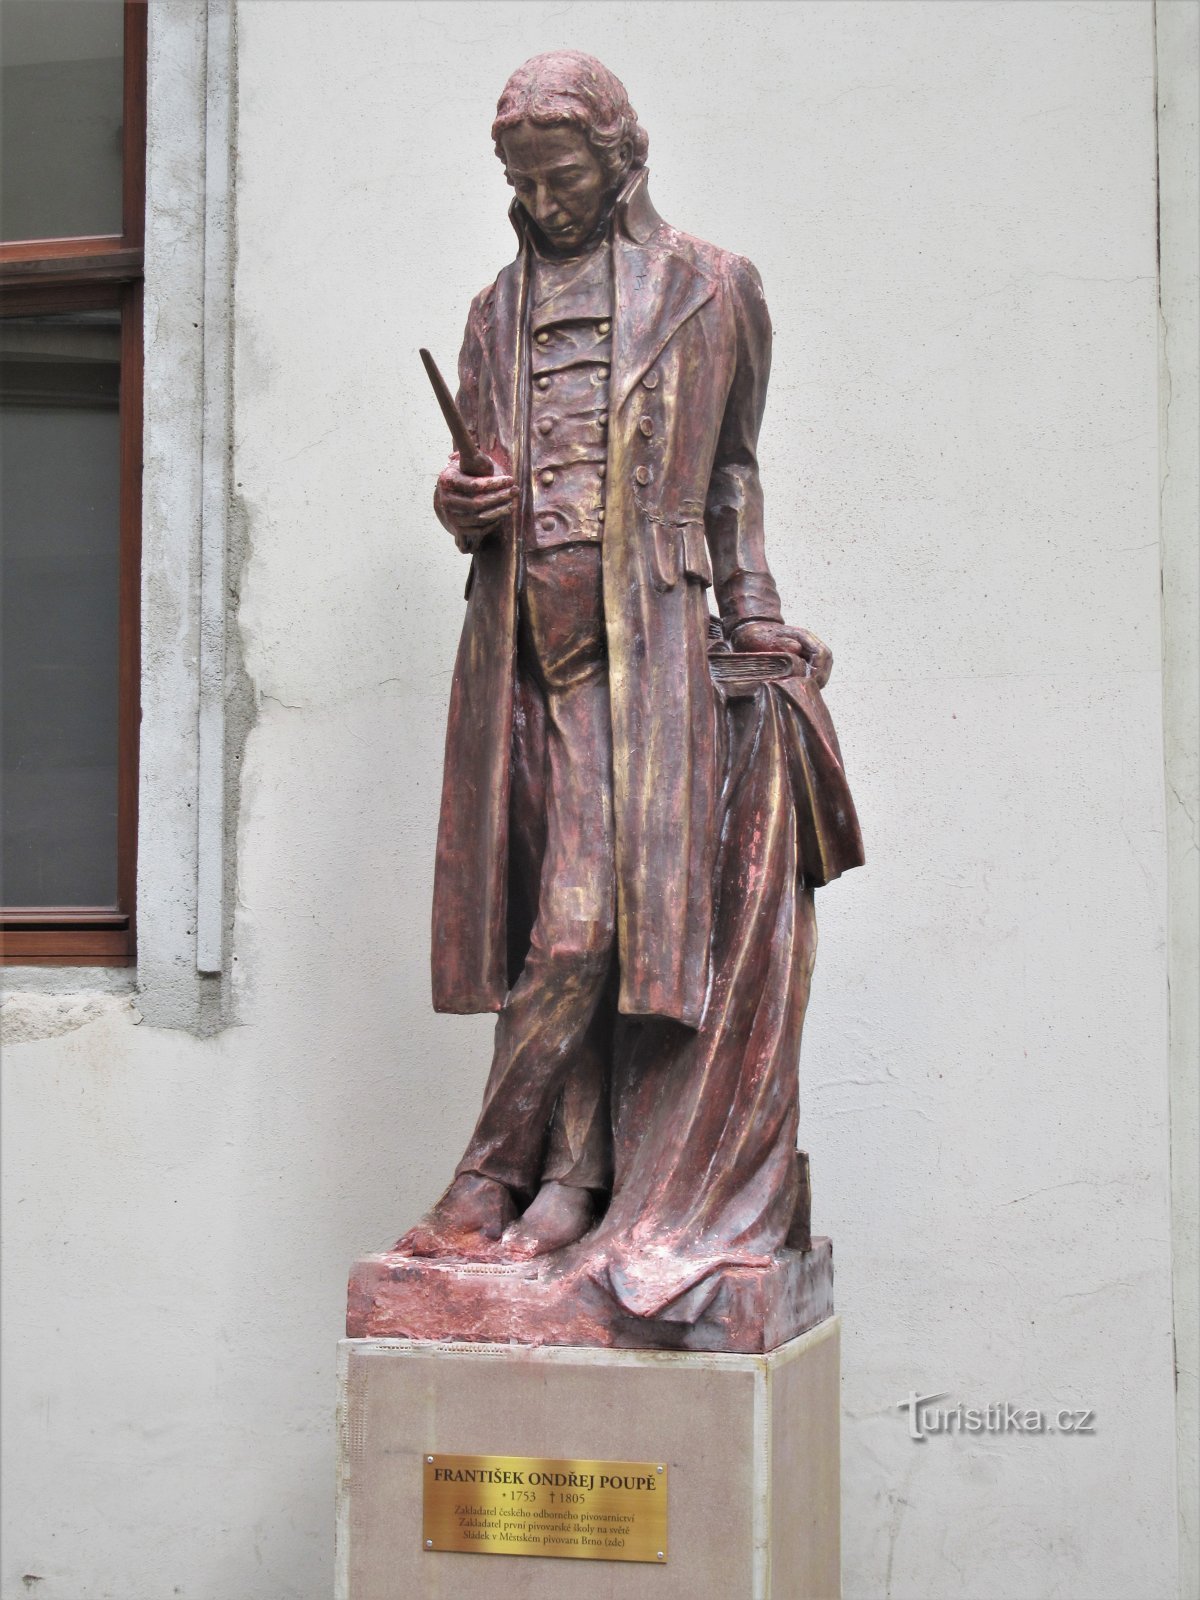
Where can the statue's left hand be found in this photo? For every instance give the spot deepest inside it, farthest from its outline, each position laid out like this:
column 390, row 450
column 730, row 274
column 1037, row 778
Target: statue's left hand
column 796, row 641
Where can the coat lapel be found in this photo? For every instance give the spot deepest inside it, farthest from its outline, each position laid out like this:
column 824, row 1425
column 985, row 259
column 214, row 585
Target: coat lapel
column 504, row 355
column 655, row 291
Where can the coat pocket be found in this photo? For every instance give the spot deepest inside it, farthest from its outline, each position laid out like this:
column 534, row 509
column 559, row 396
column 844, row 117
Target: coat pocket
column 665, row 554
column 695, row 554
column 678, row 548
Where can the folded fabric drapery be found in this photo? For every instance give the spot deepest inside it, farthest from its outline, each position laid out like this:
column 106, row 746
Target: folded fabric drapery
column 705, row 1121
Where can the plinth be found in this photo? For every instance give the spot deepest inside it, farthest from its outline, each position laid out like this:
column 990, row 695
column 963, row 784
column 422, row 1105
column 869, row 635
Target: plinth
column 565, row 1300
column 749, row 1445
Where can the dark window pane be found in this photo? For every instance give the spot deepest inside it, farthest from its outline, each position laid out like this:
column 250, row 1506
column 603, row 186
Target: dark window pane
column 62, row 111
column 59, row 498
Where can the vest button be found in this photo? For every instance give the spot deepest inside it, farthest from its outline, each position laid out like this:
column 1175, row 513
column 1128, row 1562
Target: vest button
column 543, row 383
column 602, row 419
column 642, row 475
column 650, row 381
column 603, row 327
column 646, row 426
column 545, row 425
column 542, row 336
column 546, row 524
column 547, row 476
column 601, row 471
column 600, row 515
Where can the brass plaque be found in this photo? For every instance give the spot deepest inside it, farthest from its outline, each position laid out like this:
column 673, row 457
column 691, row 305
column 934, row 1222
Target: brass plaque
column 524, row 1506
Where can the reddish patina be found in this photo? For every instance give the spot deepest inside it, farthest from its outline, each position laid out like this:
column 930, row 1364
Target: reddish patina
column 639, row 797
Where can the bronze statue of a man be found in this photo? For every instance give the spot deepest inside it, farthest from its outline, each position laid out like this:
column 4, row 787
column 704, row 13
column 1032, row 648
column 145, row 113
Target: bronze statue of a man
column 615, row 376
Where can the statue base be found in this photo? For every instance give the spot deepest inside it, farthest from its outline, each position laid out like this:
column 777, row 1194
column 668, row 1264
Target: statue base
column 749, row 1443
column 563, row 1300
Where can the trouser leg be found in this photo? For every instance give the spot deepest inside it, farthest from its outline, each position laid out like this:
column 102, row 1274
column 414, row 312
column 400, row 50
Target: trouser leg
column 549, row 1043
column 580, row 1148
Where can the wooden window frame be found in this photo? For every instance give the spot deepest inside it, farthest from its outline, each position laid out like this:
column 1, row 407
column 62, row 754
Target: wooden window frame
column 100, row 272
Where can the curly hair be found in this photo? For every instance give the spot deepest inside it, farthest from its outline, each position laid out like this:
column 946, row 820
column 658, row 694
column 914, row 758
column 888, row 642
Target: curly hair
column 569, row 86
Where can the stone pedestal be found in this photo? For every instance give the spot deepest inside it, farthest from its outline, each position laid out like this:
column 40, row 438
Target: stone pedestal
column 752, row 1443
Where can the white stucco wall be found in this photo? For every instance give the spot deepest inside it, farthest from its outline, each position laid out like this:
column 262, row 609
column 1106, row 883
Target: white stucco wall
column 953, row 210
column 1178, row 47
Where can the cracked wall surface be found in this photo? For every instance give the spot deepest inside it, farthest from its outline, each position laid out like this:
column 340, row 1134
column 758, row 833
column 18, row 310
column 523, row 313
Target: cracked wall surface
column 953, row 208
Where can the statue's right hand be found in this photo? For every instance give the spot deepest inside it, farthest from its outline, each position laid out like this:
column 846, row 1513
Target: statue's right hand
column 473, row 507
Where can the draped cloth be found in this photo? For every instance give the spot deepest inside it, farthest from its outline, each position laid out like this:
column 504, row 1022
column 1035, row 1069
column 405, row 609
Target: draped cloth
column 705, row 1121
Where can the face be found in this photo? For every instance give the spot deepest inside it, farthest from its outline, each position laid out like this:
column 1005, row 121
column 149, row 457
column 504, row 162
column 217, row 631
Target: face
column 557, row 179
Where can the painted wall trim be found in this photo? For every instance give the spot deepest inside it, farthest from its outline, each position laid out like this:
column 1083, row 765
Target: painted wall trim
column 215, row 480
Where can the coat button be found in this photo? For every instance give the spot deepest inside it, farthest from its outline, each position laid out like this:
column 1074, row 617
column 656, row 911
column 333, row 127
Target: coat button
column 642, row 475
column 542, row 336
column 650, row 381
column 543, row 383
column 547, row 476
column 545, row 425
column 646, row 426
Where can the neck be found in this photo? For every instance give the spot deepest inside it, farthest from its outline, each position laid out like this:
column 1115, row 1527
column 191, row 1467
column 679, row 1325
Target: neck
column 585, row 247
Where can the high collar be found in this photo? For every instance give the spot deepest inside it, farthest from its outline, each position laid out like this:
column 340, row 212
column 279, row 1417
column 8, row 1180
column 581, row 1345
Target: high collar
column 633, row 212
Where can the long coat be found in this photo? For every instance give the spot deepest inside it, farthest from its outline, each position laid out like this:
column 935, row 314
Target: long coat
column 690, row 359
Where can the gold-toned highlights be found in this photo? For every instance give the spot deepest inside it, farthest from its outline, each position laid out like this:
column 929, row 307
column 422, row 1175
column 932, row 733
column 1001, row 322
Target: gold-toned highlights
column 526, row 1506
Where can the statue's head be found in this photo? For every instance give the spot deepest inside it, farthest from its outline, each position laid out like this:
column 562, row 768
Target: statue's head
column 568, row 138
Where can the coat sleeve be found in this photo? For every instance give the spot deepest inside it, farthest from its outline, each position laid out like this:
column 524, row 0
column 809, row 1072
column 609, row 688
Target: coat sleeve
column 745, row 589
column 470, row 359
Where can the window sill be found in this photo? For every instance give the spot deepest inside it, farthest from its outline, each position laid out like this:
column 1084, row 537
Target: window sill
column 82, row 936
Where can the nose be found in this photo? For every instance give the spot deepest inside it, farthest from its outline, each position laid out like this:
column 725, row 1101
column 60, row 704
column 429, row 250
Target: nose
column 545, row 206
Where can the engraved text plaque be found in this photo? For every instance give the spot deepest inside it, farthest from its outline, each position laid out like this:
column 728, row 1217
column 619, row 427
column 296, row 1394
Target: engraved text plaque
column 525, row 1506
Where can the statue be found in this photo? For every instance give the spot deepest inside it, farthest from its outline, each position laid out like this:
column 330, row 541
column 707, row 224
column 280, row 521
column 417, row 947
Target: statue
column 639, row 797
